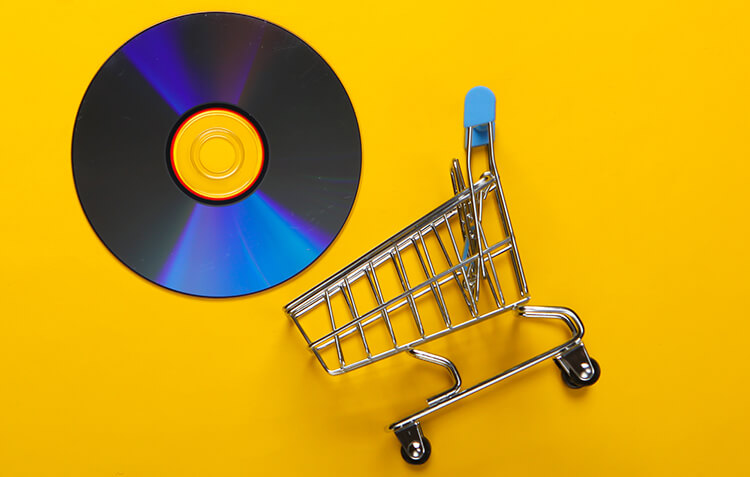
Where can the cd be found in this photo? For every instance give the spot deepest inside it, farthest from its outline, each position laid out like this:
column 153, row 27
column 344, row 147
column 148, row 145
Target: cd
column 216, row 154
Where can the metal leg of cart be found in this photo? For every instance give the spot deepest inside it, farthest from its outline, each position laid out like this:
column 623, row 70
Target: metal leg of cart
column 577, row 368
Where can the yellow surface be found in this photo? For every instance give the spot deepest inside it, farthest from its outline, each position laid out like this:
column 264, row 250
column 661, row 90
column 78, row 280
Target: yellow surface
column 216, row 154
column 624, row 144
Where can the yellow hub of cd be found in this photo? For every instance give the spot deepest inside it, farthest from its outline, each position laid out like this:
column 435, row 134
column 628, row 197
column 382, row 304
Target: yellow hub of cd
column 217, row 154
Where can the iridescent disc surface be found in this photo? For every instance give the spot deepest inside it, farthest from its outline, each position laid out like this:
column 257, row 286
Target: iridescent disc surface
column 216, row 62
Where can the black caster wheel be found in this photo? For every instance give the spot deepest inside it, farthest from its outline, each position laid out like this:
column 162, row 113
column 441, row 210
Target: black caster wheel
column 422, row 458
column 574, row 383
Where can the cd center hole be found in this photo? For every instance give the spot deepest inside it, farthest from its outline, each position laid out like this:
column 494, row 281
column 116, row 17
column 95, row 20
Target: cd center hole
column 217, row 155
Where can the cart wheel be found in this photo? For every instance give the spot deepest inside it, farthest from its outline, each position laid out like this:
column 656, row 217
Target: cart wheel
column 422, row 457
column 574, row 382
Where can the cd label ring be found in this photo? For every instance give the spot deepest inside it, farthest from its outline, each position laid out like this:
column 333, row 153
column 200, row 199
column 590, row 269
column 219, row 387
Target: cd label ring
column 217, row 154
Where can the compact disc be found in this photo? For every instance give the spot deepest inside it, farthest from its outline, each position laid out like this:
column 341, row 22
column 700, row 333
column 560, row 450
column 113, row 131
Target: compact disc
column 216, row 154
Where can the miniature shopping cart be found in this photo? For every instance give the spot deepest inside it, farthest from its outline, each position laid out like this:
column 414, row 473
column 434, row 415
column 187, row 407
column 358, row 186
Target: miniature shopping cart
column 451, row 269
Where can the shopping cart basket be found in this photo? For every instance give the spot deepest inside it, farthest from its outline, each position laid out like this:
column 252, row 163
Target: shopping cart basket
column 465, row 255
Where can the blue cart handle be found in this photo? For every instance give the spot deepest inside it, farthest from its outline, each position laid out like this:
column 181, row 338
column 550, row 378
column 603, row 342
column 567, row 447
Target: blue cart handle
column 479, row 112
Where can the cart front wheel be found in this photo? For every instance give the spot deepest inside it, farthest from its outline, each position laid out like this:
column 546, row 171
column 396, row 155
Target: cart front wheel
column 415, row 455
column 575, row 382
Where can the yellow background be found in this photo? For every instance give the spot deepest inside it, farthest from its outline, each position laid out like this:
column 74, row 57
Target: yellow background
column 624, row 148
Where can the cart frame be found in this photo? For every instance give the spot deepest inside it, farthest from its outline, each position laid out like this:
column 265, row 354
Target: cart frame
column 469, row 263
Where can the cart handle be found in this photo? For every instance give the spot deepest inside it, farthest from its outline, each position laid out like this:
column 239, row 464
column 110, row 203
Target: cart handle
column 479, row 111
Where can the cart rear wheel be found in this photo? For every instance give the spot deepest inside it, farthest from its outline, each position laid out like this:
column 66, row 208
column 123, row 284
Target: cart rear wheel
column 575, row 383
column 421, row 457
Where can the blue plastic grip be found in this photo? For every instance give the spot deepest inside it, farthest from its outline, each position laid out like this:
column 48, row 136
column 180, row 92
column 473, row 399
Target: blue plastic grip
column 479, row 109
